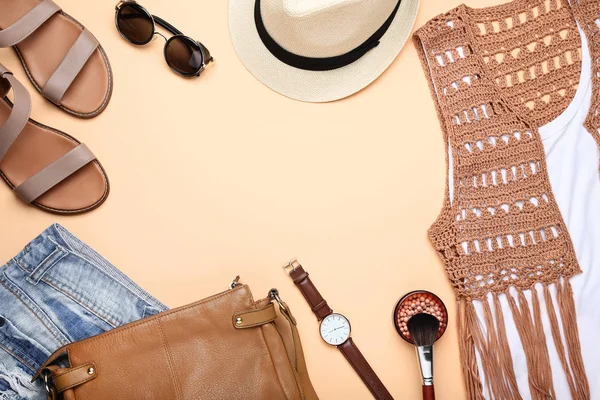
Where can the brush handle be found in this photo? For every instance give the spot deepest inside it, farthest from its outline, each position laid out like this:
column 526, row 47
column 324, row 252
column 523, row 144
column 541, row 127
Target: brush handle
column 428, row 392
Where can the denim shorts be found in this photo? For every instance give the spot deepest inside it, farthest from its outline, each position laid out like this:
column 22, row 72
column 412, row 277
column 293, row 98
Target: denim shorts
column 55, row 291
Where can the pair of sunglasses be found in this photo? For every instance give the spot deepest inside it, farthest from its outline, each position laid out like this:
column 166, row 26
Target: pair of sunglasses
column 184, row 55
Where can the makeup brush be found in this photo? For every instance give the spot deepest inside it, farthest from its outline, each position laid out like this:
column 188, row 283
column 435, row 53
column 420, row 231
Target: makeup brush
column 421, row 318
column 424, row 329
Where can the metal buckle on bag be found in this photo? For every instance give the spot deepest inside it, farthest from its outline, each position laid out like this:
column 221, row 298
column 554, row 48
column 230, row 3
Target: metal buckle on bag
column 48, row 385
column 274, row 294
column 292, row 265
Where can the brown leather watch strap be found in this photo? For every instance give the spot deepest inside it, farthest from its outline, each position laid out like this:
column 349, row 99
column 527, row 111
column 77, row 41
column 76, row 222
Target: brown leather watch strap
column 348, row 348
column 317, row 303
column 364, row 370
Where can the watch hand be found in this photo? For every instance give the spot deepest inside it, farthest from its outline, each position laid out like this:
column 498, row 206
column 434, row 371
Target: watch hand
column 340, row 327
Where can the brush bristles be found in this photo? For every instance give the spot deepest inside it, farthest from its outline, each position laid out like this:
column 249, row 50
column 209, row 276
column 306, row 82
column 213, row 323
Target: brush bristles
column 423, row 328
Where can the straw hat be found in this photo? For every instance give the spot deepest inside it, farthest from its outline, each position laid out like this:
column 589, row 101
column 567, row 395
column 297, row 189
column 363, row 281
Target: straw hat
column 319, row 50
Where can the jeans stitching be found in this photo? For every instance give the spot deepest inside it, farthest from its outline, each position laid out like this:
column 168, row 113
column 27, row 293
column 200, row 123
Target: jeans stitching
column 21, row 265
column 11, row 353
column 118, row 276
column 80, row 300
column 28, row 306
column 58, row 254
column 20, row 256
column 26, row 251
column 84, row 252
column 71, row 293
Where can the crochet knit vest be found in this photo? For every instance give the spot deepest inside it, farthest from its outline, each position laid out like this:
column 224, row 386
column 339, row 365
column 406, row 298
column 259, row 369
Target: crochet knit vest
column 496, row 75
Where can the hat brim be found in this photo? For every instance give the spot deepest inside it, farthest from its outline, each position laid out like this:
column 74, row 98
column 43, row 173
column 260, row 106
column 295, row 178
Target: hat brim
column 316, row 86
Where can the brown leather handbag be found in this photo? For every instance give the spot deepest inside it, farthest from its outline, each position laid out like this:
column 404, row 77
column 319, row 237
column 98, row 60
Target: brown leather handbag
column 227, row 346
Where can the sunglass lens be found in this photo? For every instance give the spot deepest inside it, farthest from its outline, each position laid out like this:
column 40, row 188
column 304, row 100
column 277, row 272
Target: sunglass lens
column 135, row 24
column 184, row 55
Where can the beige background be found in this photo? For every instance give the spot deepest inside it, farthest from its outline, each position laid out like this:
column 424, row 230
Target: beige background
column 219, row 176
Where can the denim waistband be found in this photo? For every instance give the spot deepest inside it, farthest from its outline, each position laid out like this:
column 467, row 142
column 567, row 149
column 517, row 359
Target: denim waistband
column 56, row 242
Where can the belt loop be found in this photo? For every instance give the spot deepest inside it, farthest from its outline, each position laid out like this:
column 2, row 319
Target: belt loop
column 38, row 272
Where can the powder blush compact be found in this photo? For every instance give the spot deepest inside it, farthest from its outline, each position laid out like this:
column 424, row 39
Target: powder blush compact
column 417, row 302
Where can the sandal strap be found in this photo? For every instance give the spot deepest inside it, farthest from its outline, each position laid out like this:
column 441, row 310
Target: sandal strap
column 28, row 24
column 19, row 114
column 61, row 79
column 54, row 173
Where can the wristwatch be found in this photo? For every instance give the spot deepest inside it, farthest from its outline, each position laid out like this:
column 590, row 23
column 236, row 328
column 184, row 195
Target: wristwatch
column 335, row 330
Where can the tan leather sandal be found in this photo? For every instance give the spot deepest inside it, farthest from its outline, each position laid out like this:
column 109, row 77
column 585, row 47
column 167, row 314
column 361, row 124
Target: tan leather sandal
column 45, row 167
column 63, row 60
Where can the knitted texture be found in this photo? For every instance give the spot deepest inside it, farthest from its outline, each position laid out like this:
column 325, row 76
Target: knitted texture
column 497, row 74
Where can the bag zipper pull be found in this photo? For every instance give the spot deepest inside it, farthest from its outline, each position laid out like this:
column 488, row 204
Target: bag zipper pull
column 234, row 282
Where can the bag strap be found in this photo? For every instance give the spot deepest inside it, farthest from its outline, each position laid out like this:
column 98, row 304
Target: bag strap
column 301, row 369
column 268, row 314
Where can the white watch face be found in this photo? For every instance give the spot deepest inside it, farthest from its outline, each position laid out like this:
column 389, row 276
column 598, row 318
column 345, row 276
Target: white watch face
column 335, row 329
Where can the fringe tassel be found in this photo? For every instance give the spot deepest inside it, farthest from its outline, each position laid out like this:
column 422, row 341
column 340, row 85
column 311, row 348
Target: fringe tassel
column 566, row 304
column 488, row 359
column 498, row 383
column 494, row 354
column 540, row 337
column 490, row 343
column 560, row 348
column 466, row 320
column 536, row 353
column 507, row 361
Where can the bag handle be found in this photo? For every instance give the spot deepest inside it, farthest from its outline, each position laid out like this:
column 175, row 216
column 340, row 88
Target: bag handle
column 301, row 369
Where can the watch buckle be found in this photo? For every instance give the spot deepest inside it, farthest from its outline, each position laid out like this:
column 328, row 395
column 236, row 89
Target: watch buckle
column 292, row 265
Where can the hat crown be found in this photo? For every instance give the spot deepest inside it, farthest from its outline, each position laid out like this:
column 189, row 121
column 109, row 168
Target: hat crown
column 324, row 28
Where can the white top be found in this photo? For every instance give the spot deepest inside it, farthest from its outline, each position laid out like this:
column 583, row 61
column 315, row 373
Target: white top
column 573, row 162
